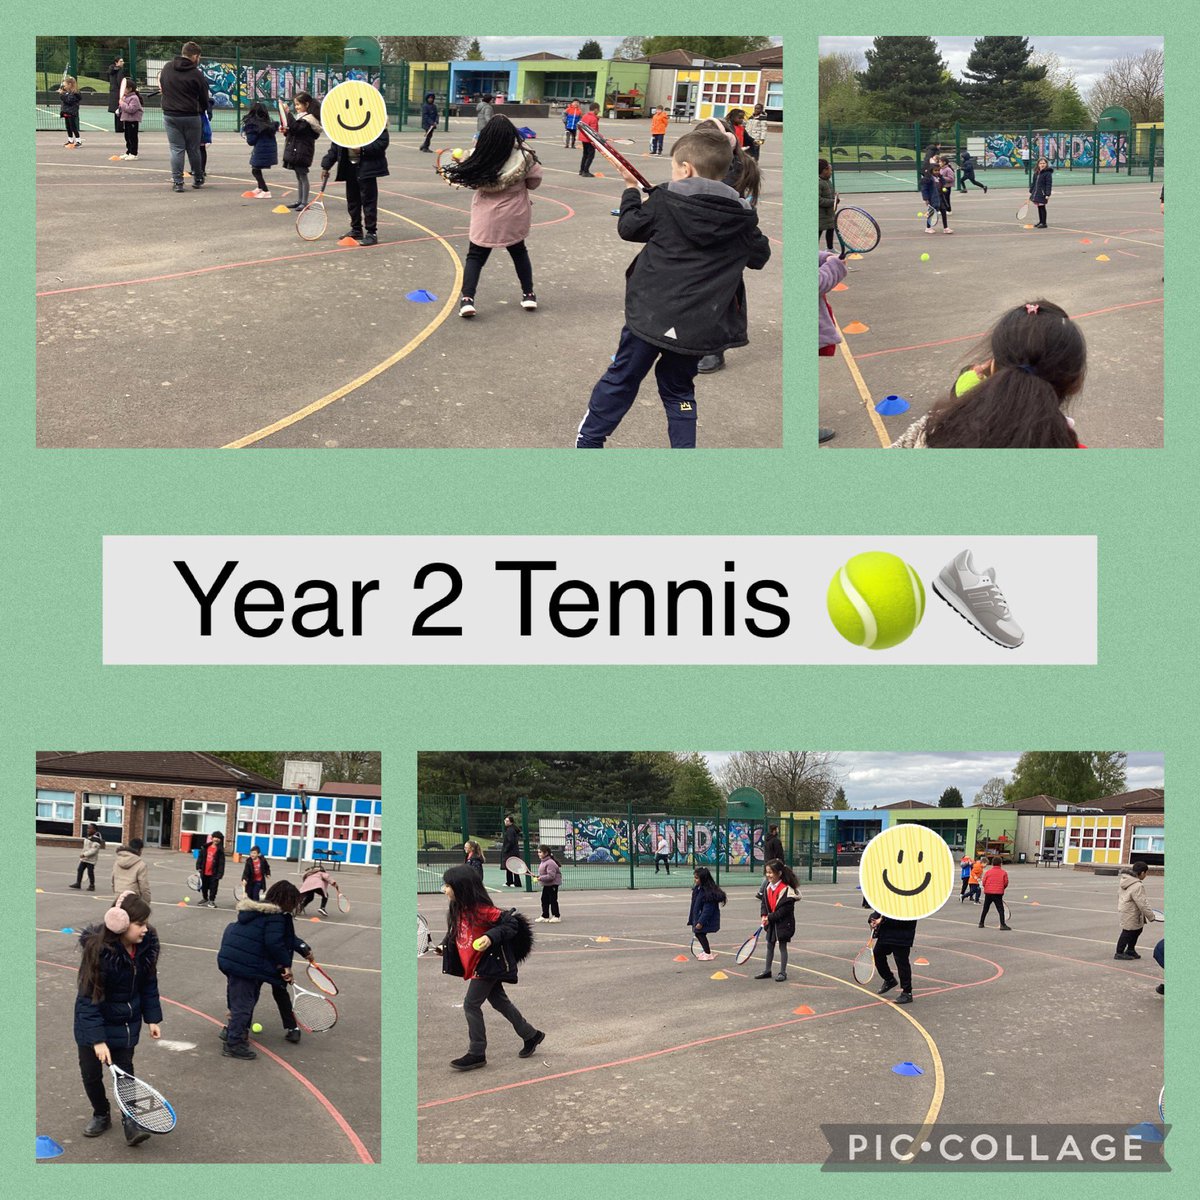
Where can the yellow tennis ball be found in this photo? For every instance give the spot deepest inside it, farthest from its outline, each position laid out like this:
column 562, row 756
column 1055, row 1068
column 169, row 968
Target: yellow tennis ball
column 924, row 257
column 187, row 899
column 876, row 600
column 256, row 1028
column 478, row 943
column 456, row 153
column 966, row 381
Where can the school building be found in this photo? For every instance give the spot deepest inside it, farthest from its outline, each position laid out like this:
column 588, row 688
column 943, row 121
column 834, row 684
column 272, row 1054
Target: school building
column 847, row 831
column 173, row 800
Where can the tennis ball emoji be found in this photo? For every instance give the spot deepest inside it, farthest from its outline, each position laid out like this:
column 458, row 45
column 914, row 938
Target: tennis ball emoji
column 256, row 1028
column 966, row 381
column 907, row 871
column 353, row 114
column 876, row 600
column 924, row 257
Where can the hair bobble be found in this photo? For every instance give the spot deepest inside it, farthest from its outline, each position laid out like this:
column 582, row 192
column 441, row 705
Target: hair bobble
column 1031, row 309
column 1026, row 368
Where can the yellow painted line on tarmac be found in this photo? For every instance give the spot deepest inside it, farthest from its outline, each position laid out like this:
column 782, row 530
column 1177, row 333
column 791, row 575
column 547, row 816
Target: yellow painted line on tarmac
column 860, row 383
column 340, row 393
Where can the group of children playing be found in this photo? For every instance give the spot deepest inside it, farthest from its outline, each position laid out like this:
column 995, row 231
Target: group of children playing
column 128, row 115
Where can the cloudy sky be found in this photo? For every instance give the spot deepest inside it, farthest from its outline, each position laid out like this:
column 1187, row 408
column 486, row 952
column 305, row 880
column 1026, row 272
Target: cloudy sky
column 565, row 44
column 1087, row 57
column 874, row 777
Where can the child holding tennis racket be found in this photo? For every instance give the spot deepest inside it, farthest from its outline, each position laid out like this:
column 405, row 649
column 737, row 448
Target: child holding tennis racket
column 591, row 119
column 1040, row 187
column 117, row 993
column 1026, row 372
column 893, row 939
column 484, row 946
column 995, row 884
column 1133, row 909
column 93, row 843
column 361, row 171
column 550, row 879
column 255, row 873
column 259, row 131
column 299, row 146
column 130, row 113
column 826, row 202
column 316, row 882
column 779, row 896
column 501, row 171
column 685, row 297
column 69, row 101
column 210, row 863
column 704, row 916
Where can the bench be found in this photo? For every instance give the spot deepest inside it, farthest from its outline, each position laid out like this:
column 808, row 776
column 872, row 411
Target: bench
column 327, row 858
column 1046, row 860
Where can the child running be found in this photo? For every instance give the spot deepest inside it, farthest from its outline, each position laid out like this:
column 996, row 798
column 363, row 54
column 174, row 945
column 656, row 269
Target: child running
column 93, row 843
column 893, row 939
column 684, row 293
column 69, row 100
column 1034, row 362
column 658, row 129
column 255, row 873
column 1134, row 910
column 361, row 171
column 130, row 113
column 550, row 879
column 704, row 916
column 502, row 171
column 779, row 896
column 117, row 992
column 210, row 862
column 299, row 145
column 483, row 946
column 259, row 131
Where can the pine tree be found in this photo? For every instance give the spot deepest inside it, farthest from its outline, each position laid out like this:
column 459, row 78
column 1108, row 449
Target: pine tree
column 950, row 798
column 839, row 800
column 906, row 81
column 996, row 90
column 590, row 49
column 474, row 53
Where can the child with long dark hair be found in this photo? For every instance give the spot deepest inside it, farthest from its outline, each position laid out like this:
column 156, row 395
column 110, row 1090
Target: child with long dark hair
column 483, row 946
column 117, row 993
column 779, row 895
column 550, row 880
column 704, row 916
column 259, row 131
column 501, row 171
column 1034, row 362
column 130, row 112
column 1040, row 186
column 300, row 143
column 473, row 852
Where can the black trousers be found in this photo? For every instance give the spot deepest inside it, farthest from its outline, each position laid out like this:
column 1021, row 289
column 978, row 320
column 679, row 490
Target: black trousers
column 362, row 202
column 903, row 967
column 241, row 995
column 254, row 890
column 966, row 883
column 492, row 991
column 259, row 179
column 827, row 234
column 702, row 938
column 665, row 860
column 752, row 148
column 72, row 123
column 476, row 257
column 589, row 153
column 990, row 899
column 283, row 1002
column 131, row 137
column 90, row 868
column 1041, row 213
column 208, row 887
column 1127, row 942
column 550, row 900
column 95, row 1075
column 428, row 137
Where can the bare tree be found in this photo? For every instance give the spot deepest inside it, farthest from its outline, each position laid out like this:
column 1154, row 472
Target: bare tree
column 991, row 794
column 840, row 67
column 629, row 49
column 1135, row 83
column 790, row 780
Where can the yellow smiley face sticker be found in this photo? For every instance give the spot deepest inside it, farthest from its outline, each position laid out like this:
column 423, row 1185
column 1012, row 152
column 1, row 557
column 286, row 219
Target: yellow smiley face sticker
column 907, row 872
column 353, row 114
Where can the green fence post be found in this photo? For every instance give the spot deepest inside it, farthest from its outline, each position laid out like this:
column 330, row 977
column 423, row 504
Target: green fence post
column 132, row 64
column 917, row 152
column 837, row 838
column 632, row 868
column 525, row 833
column 463, row 817
column 1095, row 150
column 237, row 87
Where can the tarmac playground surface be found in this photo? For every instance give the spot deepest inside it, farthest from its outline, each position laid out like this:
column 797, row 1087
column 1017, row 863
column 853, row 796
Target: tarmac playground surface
column 201, row 319
column 1098, row 260
column 315, row 1101
column 649, row 1058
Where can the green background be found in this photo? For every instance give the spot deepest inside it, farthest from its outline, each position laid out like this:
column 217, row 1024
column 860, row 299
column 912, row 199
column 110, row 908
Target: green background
column 58, row 504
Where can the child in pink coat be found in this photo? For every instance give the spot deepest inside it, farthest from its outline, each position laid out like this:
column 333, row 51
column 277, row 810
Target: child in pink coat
column 317, row 882
column 502, row 171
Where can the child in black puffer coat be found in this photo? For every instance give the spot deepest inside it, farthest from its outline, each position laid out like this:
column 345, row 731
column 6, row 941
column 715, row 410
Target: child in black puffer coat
column 118, row 991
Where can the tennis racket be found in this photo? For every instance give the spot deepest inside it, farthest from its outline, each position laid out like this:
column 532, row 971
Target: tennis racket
column 315, row 1014
column 193, row 881
column 1023, row 211
column 857, row 231
column 239, row 892
column 424, row 937
column 614, row 156
column 312, row 220
column 145, row 1107
column 320, row 979
column 746, row 950
column 1159, row 915
column 696, row 949
column 343, row 902
column 864, row 964
column 124, row 85
column 283, row 116
column 517, row 866
column 1161, row 1090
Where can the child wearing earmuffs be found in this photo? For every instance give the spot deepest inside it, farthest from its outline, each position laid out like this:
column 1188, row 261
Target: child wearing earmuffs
column 118, row 991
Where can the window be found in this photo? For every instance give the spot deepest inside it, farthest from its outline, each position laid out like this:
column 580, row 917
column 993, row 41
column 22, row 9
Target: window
column 774, row 96
column 1148, row 839
column 55, row 812
column 205, row 816
column 103, row 808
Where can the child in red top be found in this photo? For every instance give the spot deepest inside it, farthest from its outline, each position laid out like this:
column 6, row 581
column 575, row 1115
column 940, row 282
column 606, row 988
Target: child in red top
column 779, row 896
column 255, row 874
column 995, row 884
column 591, row 119
column 210, row 862
column 483, row 945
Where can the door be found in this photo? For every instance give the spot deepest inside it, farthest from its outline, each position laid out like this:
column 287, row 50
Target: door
column 152, row 825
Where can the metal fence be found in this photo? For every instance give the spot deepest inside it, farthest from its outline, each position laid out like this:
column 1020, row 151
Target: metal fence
column 235, row 82
column 614, row 849
column 887, row 158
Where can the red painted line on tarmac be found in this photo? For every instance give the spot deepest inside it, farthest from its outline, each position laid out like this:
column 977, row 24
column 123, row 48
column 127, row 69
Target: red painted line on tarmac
column 364, row 1155
column 970, row 337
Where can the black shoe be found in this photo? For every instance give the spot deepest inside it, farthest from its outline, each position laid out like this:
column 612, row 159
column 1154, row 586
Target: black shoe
column 91, row 887
column 296, row 207
column 764, row 974
column 368, row 239
column 356, row 234
column 238, row 1050
column 74, row 886
column 1123, row 957
column 904, row 998
column 198, row 183
column 469, row 1062
column 781, row 977
column 985, row 189
column 466, row 308
column 224, row 1034
column 97, row 1125
column 529, row 301
column 1158, row 991
column 531, row 1044
column 177, row 185
column 711, row 362
column 292, row 1035
column 980, row 924
column 1008, row 929
column 825, row 434
column 887, row 987
column 135, row 1135
column 1134, row 954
